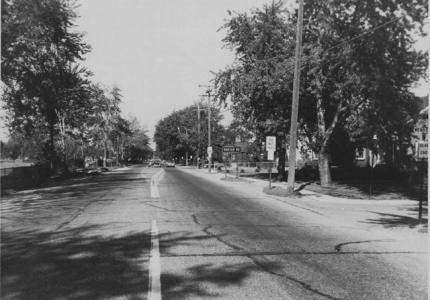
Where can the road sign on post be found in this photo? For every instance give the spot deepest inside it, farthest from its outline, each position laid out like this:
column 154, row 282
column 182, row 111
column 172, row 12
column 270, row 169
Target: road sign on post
column 270, row 143
column 230, row 149
column 373, row 159
column 422, row 150
column 209, row 151
column 422, row 155
column 270, row 147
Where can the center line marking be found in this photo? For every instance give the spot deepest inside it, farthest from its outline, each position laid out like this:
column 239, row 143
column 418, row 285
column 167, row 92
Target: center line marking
column 154, row 284
column 154, row 185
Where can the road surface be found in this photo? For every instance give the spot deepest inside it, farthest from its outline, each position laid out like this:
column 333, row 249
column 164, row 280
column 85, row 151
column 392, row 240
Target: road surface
column 139, row 232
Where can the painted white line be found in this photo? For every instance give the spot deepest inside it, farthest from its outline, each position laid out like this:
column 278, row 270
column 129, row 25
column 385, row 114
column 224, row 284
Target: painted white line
column 154, row 184
column 154, row 284
column 154, row 188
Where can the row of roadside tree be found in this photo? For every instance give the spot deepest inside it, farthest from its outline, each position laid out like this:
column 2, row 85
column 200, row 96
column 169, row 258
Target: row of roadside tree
column 55, row 112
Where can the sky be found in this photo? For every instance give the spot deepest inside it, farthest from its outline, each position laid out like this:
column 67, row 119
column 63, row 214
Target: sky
column 157, row 52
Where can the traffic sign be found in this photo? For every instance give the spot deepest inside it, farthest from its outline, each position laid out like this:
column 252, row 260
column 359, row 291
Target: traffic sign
column 422, row 149
column 270, row 143
column 209, row 151
column 230, row 149
column 373, row 159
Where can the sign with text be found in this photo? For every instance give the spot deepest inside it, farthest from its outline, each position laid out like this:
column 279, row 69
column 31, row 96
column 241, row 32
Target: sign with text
column 422, row 149
column 209, row 151
column 230, row 149
column 270, row 143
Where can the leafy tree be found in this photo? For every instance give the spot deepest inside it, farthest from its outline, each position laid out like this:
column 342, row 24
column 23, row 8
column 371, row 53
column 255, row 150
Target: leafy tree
column 358, row 66
column 136, row 142
column 258, row 83
column 44, row 85
column 104, row 120
column 177, row 133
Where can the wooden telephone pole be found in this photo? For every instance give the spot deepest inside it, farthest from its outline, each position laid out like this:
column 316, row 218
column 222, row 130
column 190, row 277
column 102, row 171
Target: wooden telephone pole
column 295, row 104
column 208, row 94
column 198, row 131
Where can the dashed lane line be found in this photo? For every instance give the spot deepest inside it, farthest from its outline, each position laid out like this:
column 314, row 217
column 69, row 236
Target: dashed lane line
column 154, row 184
column 154, row 288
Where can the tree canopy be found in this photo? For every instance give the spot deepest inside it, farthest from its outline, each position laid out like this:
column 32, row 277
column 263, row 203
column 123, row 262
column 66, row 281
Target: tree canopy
column 177, row 134
column 358, row 66
column 49, row 96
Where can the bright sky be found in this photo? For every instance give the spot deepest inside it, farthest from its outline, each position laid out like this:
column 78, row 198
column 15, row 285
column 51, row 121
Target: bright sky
column 157, row 51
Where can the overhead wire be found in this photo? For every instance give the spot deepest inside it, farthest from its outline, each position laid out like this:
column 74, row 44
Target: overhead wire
column 370, row 30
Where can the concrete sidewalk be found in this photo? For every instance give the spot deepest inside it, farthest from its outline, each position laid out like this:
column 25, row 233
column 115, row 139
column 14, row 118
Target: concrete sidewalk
column 389, row 219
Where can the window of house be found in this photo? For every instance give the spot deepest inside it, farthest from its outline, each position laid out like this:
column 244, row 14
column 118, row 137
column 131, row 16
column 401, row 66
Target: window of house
column 360, row 154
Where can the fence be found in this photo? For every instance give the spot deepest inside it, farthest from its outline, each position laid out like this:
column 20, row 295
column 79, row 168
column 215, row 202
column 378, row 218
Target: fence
column 259, row 165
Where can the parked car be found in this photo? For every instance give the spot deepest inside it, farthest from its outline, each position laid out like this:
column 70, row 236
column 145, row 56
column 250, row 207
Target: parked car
column 154, row 163
column 170, row 164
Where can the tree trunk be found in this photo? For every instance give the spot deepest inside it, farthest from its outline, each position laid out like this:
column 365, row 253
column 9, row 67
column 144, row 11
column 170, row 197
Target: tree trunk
column 51, row 148
column 281, row 162
column 324, row 169
column 104, row 154
column 117, row 157
column 65, row 165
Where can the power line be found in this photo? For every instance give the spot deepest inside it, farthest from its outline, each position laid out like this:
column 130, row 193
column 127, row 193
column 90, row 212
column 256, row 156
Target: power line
column 370, row 30
column 309, row 58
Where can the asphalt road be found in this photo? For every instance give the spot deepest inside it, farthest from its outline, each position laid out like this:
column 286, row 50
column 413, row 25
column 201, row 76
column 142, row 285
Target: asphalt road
column 91, row 239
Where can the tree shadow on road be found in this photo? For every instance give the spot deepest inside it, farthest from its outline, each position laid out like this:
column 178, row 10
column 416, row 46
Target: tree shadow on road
column 80, row 264
column 84, row 181
column 397, row 220
column 71, row 265
column 193, row 283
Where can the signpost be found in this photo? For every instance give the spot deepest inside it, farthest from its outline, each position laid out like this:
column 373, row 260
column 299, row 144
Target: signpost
column 422, row 149
column 422, row 156
column 209, row 150
column 373, row 159
column 270, row 143
column 231, row 149
column 270, row 148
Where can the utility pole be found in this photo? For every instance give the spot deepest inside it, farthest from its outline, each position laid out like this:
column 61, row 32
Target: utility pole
column 208, row 94
column 209, row 130
column 198, row 132
column 295, row 104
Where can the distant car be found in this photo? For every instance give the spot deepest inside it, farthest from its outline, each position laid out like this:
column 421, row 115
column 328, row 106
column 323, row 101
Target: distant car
column 156, row 165
column 170, row 164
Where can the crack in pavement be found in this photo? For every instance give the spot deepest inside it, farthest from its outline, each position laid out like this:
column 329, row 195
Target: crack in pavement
column 338, row 247
column 218, row 238
column 156, row 206
column 81, row 210
column 275, row 253
column 305, row 285
column 195, row 219
column 267, row 269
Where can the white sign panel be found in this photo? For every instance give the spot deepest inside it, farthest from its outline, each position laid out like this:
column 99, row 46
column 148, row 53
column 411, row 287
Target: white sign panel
column 270, row 143
column 210, row 151
column 422, row 150
column 270, row 155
